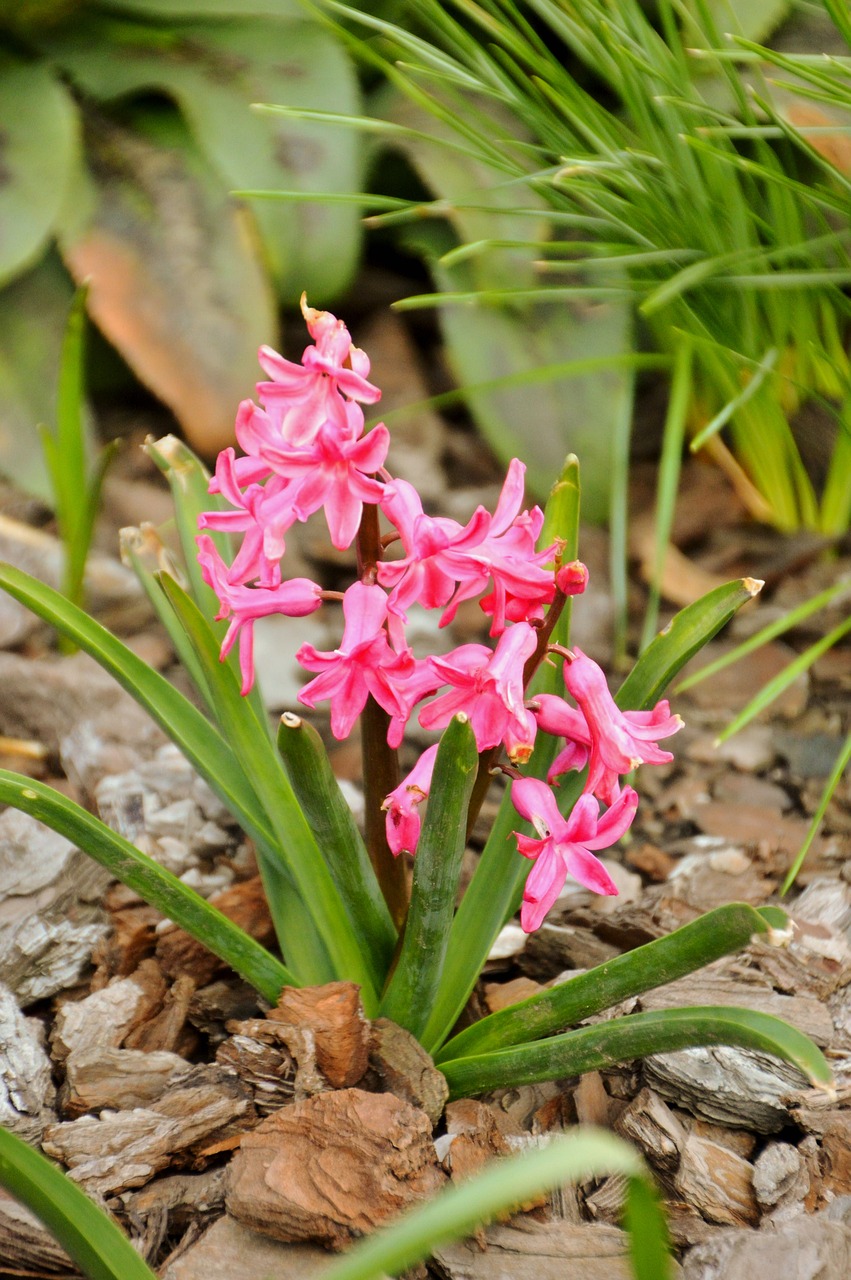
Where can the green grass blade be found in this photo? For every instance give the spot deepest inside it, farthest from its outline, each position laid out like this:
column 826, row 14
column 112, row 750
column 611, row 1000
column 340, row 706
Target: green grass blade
column 331, row 821
column 679, row 398
column 457, row 1211
column 638, row 1035
column 791, row 619
column 88, row 1235
column 159, row 887
column 842, row 762
column 716, row 934
column 784, row 678
column 69, row 472
column 644, row 1222
column 685, row 635
column 303, row 857
column 437, row 867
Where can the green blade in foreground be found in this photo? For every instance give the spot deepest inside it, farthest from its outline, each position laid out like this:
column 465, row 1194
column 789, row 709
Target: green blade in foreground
column 437, row 868
column 99, row 1248
column 332, row 823
column 457, row 1211
column 152, row 882
column 636, row 1036
column 687, row 949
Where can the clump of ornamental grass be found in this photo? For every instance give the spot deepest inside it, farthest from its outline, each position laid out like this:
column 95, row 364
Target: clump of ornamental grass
column 528, row 703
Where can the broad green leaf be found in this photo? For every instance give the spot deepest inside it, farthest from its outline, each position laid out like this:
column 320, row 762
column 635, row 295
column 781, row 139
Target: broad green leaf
column 330, row 819
column 638, row 1035
column 215, row 71
column 97, row 1245
column 687, row 949
column 684, row 636
column 176, row 283
column 456, row 1212
column 303, row 857
column 410, row 994
column 161, row 888
column 33, row 314
column 40, row 151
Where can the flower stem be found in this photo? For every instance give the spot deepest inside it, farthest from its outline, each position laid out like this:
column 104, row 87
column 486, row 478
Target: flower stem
column 380, row 762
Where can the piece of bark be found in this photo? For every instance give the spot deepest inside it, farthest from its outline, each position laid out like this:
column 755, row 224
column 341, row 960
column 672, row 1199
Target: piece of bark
column 245, row 904
column 335, row 1016
column 167, row 1030
column 605, row 1204
column 717, row 988
column 26, row 1088
column 555, row 947
column 739, row 1141
column 536, row 1251
column 173, row 1206
column 828, row 1152
column 591, row 1100
column 333, row 1167
column 809, row 1248
column 131, row 940
column 780, row 1179
column 220, row 1002
column 736, row 1087
column 499, row 995
column 276, row 1060
column 101, row 1076
column 106, row 1017
column 124, row 1149
column 717, row 1182
column 473, row 1138
column 398, row 1064
column 230, row 1251
column 652, row 1126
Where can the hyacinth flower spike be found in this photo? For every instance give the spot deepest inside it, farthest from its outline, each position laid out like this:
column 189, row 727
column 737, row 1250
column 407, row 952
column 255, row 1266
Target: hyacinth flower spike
column 402, row 805
column 563, row 847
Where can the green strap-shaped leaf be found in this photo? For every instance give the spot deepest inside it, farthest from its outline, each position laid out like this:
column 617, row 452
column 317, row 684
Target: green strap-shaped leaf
column 323, row 908
column 97, row 1245
column 686, row 634
column 687, row 949
column 437, row 868
column 331, row 821
column 636, row 1036
column 161, row 888
column 505, row 1184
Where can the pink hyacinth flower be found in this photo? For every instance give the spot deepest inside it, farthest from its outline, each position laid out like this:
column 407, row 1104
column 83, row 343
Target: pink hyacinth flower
column 619, row 740
column 563, row 847
column 300, row 397
column 364, row 664
column 488, row 687
column 402, row 804
column 294, row 599
column 446, row 563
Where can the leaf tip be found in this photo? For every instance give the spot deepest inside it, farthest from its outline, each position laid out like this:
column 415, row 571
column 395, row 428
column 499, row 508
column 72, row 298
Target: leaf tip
column 753, row 586
column 289, row 720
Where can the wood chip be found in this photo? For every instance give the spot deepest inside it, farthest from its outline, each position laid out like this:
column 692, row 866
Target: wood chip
column 717, row 1182
column 398, row 1064
column 276, row 1060
column 535, row 1251
column 652, row 1126
column 811, row 1246
column 245, row 904
column 101, row 1076
column 122, row 1149
column 26, row 1088
column 335, row 1016
column 738, row 1087
column 26, row 1246
column 333, row 1167
column 107, row 1017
